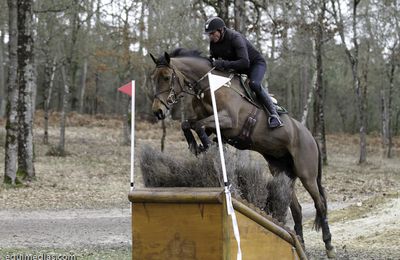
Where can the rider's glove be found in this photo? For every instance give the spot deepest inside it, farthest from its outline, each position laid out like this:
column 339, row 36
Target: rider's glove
column 219, row 64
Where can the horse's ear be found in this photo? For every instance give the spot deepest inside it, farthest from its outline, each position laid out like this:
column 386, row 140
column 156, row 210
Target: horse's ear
column 154, row 59
column 167, row 58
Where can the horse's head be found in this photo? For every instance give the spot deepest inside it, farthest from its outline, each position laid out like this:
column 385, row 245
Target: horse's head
column 181, row 72
column 169, row 85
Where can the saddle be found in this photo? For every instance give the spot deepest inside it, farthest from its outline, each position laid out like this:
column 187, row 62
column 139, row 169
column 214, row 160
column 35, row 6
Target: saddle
column 243, row 140
column 246, row 92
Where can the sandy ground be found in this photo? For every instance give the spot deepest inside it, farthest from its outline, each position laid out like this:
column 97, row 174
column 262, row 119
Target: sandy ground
column 80, row 202
column 82, row 229
column 72, row 228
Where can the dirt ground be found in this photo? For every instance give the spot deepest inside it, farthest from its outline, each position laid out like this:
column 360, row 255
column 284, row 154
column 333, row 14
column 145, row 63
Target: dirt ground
column 78, row 204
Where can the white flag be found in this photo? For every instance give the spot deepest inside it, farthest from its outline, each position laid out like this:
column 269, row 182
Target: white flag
column 216, row 81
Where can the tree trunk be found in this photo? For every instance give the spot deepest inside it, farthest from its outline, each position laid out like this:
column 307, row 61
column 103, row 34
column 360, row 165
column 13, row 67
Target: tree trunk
column 2, row 73
column 389, row 152
column 384, row 119
column 85, row 61
column 83, row 86
column 306, row 107
column 126, row 121
column 96, row 93
column 240, row 18
column 11, row 151
column 223, row 11
column 64, row 108
column 50, row 71
column 71, row 58
column 353, row 59
column 319, row 122
column 286, row 59
column 164, row 135
column 273, row 36
column 397, row 123
column 27, row 86
column 362, row 94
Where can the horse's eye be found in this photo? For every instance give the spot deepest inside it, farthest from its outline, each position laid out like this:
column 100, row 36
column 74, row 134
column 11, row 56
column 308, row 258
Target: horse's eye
column 167, row 78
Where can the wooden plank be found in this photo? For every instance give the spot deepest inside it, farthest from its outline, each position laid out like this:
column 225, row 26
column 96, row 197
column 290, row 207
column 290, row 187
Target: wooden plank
column 177, row 231
column 176, row 195
column 258, row 242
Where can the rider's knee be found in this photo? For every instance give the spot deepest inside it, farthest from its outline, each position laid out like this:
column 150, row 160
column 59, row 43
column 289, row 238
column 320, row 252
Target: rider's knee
column 255, row 86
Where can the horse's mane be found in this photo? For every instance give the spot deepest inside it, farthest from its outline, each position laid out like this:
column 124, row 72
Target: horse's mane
column 182, row 52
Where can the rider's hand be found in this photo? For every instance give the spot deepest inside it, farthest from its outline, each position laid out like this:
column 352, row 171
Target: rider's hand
column 218, row 64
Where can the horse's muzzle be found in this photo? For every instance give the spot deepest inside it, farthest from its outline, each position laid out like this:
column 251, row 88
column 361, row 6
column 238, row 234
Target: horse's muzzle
column 159, row 114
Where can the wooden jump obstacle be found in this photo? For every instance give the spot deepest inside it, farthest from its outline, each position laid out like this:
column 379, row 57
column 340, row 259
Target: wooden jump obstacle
column 192, row 223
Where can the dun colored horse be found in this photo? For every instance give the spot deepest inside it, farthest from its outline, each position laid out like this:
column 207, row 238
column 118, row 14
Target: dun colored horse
column 291, row 149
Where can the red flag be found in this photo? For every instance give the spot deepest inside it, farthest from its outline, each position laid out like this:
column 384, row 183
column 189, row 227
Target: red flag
column 127, row 89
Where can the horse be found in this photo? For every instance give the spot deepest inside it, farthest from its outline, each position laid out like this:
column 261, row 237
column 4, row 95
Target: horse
column 291, row 149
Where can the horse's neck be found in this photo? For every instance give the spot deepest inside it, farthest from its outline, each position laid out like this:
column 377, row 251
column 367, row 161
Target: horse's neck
column 193, row 70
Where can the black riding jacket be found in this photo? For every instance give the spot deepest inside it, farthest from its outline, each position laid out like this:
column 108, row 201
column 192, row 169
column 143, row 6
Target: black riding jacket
column 236, row 51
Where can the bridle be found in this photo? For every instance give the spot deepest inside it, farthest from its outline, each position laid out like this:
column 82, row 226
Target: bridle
column 172, row 97
column 186, row 87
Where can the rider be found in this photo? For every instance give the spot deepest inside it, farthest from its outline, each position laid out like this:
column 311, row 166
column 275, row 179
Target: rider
column 231, row 50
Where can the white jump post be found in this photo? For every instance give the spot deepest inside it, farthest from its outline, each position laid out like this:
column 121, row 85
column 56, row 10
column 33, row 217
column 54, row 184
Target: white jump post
column 215, row 83
column 129, row 89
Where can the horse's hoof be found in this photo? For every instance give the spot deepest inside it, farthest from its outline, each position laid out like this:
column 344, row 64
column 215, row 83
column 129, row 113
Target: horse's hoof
column 193, row 150
column 331, row 253
column 201, row 149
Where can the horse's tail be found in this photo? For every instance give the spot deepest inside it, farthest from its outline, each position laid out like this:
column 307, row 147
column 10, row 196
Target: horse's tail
column 318, row 217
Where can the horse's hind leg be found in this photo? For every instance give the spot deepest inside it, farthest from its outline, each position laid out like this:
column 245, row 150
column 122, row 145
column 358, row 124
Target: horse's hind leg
column 309, row 174
column 321, row 220
column 295, row 208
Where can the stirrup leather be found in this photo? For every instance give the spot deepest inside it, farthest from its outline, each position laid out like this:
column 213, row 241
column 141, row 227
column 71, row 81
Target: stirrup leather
column 279, row 124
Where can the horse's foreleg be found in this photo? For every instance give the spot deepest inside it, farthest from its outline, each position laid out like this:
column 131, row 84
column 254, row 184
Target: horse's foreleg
column 225, row 121
column 209, row 123
column 186, row 128
column 201, row 133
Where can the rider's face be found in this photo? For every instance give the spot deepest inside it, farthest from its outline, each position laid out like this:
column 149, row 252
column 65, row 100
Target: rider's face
column 214, row 36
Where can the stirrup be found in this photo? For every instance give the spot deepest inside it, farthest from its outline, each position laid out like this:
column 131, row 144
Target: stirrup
column 278, row 123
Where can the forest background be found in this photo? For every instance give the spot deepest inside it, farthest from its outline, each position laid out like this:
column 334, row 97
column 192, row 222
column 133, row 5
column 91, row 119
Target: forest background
column 333, row 64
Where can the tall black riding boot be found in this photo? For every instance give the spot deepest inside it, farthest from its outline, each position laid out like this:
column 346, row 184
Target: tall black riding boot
column 273, row 120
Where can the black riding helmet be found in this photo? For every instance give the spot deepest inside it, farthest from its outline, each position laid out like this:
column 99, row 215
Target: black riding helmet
column 213, row 24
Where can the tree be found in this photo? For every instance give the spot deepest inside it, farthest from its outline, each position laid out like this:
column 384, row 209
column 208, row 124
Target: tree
column 353, row 57
column 319, row 115
column 11, row 153
column 383, row 25
column 27, row 88
column 21, row 84
column 3, row 6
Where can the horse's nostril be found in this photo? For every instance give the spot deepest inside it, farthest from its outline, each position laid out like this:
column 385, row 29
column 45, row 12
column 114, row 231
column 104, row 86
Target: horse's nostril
column 159, row 114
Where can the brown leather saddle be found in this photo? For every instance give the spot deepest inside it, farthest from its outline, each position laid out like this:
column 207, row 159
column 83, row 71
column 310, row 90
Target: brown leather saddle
column 243, row 140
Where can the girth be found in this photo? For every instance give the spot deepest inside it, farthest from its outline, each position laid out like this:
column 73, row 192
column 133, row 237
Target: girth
column 243, row 140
